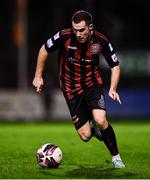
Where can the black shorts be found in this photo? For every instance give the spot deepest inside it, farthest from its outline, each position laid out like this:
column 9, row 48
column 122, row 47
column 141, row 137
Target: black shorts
column 82, row 105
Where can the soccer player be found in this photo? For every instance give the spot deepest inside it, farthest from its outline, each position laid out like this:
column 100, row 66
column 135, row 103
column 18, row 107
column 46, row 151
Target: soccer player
column 81, row 80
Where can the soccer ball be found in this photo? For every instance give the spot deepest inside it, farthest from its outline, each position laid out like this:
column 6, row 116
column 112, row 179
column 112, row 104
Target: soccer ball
column 49, row 155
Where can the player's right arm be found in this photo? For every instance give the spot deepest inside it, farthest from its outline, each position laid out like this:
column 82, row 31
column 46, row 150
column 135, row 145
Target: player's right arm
column 53, row 43
column 38, row 79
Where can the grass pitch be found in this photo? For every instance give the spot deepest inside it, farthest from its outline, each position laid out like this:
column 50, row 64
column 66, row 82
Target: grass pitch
column 20, row 141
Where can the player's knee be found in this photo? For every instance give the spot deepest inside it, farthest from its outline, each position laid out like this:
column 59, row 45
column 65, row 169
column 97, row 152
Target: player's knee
column 102, row 123
column 85, row 136
column 100, row 118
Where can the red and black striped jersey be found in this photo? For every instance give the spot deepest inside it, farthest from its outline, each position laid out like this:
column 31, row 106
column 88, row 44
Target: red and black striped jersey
column 79, row 62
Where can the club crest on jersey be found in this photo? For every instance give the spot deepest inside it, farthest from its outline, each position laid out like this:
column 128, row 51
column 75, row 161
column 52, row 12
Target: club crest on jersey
column 95, row 49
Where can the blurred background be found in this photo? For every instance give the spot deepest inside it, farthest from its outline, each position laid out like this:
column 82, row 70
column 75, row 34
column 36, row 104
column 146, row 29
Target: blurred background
column 26, row 24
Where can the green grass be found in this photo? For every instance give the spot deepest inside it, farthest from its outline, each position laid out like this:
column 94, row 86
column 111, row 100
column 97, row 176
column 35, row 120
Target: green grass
column 20, row 141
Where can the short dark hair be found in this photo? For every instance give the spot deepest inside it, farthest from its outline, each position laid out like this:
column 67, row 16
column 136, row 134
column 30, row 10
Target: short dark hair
column 82, row 16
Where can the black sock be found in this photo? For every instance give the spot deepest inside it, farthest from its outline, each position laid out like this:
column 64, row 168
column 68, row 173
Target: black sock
column 92, row 131
column 110, row 140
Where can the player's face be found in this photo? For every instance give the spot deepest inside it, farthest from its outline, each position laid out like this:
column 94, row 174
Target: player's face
column 82, row 31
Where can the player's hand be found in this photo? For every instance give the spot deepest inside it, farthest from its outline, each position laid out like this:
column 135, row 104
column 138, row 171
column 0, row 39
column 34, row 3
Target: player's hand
column 38, row 83
column 115, row 96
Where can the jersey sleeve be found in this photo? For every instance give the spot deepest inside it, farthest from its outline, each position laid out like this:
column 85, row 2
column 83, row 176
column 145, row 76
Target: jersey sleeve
column 109, row 54
column 54, row 42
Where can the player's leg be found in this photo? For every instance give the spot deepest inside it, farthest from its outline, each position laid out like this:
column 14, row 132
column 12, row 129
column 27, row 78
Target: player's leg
column 96, row 102
column 85, row 132
column 107, row 132
column 80, row 117
column 95, row 130
column 95, row 99
column 108, row 135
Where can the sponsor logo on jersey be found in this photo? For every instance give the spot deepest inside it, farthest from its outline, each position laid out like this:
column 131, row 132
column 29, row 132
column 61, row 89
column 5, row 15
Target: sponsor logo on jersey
column 95, row 49
column 72, row 47
column 72, row 60
column 87, row 60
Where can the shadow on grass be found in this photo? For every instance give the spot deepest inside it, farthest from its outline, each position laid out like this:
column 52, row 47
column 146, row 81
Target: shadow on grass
column 99, row 173
column 82, row 172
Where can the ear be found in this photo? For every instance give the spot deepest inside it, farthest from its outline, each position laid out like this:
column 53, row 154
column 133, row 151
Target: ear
column 91, row 26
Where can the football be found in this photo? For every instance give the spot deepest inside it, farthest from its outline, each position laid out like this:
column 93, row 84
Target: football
column 49, row 155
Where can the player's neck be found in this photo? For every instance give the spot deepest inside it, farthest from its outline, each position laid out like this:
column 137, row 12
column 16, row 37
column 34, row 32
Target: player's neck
column 90, row 36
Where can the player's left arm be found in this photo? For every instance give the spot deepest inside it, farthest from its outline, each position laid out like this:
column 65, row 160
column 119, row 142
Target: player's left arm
column 111, row 58
column 115, row 76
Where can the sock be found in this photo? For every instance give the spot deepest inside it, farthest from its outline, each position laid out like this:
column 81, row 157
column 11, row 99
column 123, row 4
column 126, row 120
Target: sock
column 110, row 140
column 95, row 131
column 92, row 131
